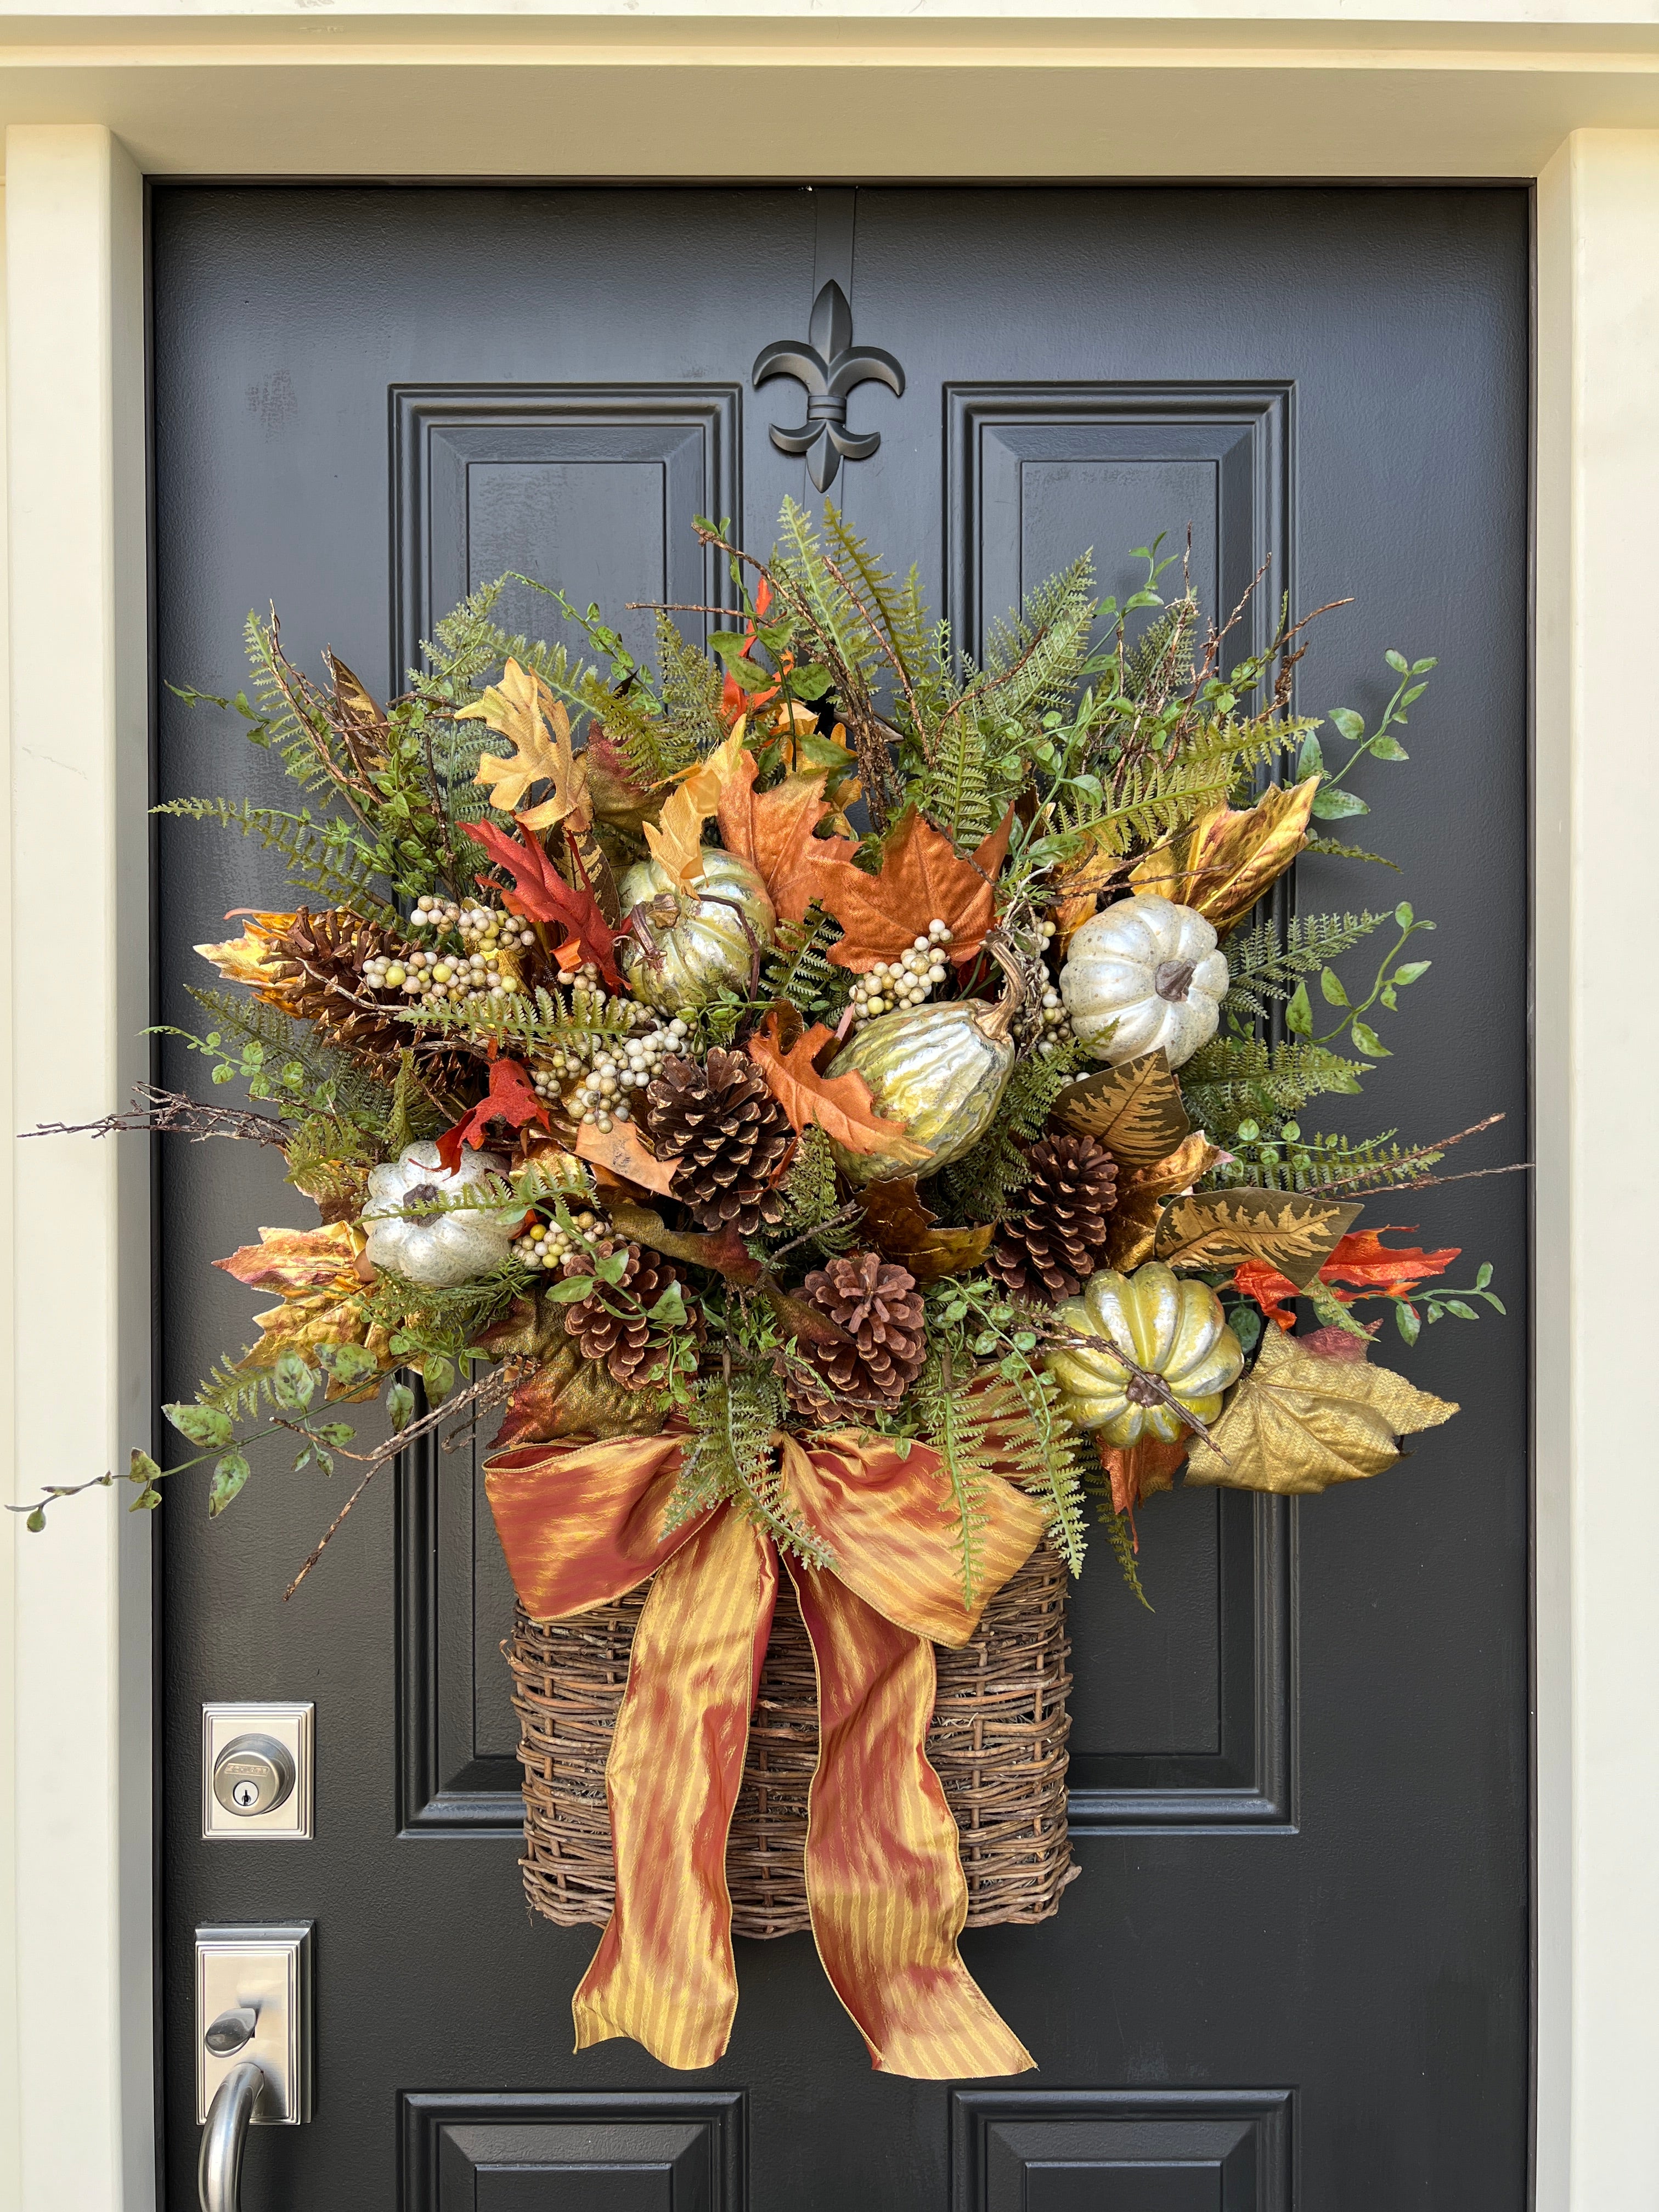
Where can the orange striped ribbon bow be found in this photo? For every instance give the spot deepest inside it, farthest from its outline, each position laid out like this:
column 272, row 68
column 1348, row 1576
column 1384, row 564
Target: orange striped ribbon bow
column 582, row 1523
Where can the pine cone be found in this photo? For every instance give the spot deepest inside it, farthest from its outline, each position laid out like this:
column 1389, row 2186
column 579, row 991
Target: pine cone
column 318, row 973
column 1059, row 1238
column 610, row 1323
column 879, row 1307
column 729, row 1135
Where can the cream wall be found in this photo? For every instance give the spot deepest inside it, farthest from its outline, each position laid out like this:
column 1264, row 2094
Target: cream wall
column 90, row 101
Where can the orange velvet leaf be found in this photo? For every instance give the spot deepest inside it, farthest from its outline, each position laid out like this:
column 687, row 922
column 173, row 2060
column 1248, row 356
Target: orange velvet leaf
column 922, row 878
column 841, row 1106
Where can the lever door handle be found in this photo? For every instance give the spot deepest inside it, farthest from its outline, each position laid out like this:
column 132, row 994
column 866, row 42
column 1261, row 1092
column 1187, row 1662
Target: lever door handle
column 219, row 2170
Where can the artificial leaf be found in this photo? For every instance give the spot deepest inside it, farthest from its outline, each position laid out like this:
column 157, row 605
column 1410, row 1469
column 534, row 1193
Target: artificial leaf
column 352, row 695
column 1142, row 1195
column 615, row 793
column 624, row 1151
column 320, row 1321
column 902, row 1229
column 1135, row 1109
column 522, row 708
column 296, row 1261
column 774, row 831
column 1140, row 1470
column 841, row 1105
column 1358, row 1260
column 511, row 1099
column 922, row 878
column 725, row 1253
column 566, row 1395
column 676, row 837
column 1220, row 1228
column 249, row 959
column 1300, row 1421
column 1227, row 858
column 541, row 894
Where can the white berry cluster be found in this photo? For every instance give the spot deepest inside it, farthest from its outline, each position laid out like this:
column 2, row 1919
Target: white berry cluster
column 892, row 988
column 483, row 929
column 434, row 977
column 545, row 1245
column 1056, row 1022
column 619, row 1065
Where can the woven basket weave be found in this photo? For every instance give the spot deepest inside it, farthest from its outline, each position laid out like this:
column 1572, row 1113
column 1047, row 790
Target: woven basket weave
column 997, row 1742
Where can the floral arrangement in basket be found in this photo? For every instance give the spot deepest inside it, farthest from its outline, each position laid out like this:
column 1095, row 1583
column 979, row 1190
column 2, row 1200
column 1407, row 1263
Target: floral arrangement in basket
column 850, row 1200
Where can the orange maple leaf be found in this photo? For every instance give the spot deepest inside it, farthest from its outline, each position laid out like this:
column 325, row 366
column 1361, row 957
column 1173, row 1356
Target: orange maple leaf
column 842, row 1108
column 923, row 879
column 773, row 829
column 1374, row 1270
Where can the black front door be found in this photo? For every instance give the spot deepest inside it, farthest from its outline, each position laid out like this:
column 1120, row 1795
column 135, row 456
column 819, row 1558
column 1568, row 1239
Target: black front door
column 1294, row 1971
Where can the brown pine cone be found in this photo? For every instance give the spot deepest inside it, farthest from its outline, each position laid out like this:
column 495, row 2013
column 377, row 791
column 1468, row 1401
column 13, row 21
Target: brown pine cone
column 878, row 1304
column 1059, row 1238
column 728, row 1133
column 318, row 975
column 610, row 1323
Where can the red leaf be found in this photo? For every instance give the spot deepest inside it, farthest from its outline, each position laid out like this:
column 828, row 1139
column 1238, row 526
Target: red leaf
column 543, row 895
column 1374, row 1269
column 511, row 1099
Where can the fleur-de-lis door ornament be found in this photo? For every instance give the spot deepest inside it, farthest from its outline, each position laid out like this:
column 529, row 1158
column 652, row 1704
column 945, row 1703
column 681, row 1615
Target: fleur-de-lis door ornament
column 829, row 369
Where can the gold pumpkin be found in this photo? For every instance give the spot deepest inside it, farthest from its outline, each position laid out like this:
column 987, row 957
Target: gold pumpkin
column 701, row 941
column 939, row 1070
column 1172, row 1329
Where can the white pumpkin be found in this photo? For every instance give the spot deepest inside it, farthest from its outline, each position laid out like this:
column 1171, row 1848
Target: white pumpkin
column 1144, row 973
column 439, row 1250
column 701, row 946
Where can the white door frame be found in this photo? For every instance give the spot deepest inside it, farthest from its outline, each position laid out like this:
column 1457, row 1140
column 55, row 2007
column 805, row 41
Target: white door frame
column 279, row 93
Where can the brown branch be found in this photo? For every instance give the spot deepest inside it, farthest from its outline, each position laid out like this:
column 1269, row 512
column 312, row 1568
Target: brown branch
column 155, row 1110
column 489, row 1390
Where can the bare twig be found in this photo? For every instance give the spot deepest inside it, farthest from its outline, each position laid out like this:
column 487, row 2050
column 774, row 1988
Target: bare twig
column 489, row 1390
column 154, row 1110
column 1442, row 1144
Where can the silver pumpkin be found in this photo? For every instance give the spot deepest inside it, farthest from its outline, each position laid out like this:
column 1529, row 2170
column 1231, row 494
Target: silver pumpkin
column 939, row 1071
column 701, row 944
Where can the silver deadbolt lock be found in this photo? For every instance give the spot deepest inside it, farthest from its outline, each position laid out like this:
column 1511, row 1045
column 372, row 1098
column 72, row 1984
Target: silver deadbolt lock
column 254, row 1774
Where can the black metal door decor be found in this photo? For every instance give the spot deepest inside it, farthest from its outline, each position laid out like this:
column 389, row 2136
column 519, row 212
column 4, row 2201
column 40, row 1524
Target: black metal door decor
column 830, row 370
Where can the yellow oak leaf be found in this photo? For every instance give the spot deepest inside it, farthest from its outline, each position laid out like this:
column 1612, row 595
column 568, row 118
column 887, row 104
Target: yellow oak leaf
column 1300, row 1420
column 676, row 837
column 522, row 707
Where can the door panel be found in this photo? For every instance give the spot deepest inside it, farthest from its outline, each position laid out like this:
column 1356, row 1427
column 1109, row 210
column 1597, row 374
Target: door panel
column 1294, row 1969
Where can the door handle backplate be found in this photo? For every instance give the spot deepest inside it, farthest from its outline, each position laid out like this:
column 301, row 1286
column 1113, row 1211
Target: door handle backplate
column 265, row 1971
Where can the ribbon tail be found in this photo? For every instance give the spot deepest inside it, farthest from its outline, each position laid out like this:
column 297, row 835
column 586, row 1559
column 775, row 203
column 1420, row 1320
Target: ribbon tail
column 664, row 1973
column 884, row 1872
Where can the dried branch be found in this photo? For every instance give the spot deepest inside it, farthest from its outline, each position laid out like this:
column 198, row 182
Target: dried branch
column 155, row 1110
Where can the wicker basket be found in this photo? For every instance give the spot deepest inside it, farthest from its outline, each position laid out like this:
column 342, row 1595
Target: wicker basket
column 998, row 1743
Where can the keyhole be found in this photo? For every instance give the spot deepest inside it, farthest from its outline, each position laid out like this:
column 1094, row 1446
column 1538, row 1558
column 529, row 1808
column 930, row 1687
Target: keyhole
column 245, row 1795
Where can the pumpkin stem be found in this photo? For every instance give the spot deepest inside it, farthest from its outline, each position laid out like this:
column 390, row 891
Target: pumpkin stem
column 998, row 1021
column 1174, row 980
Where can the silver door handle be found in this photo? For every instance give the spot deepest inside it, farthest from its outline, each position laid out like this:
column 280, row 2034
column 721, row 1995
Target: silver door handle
column 219, row 2171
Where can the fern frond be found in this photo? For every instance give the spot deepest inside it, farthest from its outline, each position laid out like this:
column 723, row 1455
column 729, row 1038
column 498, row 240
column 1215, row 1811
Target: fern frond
column 797, row 967
column 982, row 1183
column 729, row 1454
column 1234, row 1080
column 1263, row 969
column 330, row 1076
column 692, row 689
column 322, row 859
column 810, row 1197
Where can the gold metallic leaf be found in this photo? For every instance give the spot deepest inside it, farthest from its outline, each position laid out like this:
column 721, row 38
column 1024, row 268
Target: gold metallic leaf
column 1132, row 1225
column 249, row 959
column 902, row 1230
column 570, row 1396
column 1300, row 1421
column 1135, row 1110
column 1292, row 1232
column 1227, row 859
